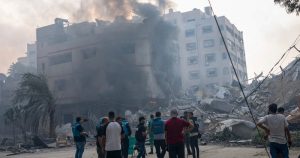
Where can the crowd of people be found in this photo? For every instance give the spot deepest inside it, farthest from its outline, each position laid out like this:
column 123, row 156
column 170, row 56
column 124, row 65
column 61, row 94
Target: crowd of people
column 172, row 135
column 113, row 135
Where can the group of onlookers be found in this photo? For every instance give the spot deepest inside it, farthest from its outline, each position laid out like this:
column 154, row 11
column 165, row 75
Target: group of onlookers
column 171, row 135
column 113, row 136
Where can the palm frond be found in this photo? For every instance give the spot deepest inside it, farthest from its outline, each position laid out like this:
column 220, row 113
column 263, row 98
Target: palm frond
column 35, row 99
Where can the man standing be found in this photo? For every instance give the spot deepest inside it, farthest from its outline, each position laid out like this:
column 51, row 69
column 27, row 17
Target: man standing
column 127, row 132
column 276, row 127
column 187, row 135
column 174, row 133
column 280, row 110
column 158, row 130
column 113, row 136
column 151, row 136
column 100, row 135
column 140, row 136
column 79, row 136
column 194, row 135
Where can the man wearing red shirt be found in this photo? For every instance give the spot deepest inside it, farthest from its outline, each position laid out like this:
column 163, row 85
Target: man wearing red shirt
column 174, row 135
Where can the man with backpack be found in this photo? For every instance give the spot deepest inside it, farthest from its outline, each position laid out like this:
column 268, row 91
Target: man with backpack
column 194, row 135
column 158, row 130
column 140, row 136
column 79, row 136
column 127, row 132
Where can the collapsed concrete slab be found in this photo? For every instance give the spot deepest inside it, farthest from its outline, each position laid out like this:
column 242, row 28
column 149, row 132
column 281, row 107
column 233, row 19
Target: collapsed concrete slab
column 219, row 106
column 294, row 116
column 241, row 128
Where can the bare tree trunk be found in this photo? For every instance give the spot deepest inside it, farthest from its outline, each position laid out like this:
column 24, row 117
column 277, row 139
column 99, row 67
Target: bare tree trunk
column 14, row 133
column 35, row 127
column 24, row 135
column 51, row 124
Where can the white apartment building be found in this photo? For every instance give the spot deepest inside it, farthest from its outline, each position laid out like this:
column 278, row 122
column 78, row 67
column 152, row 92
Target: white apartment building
column 203, row 58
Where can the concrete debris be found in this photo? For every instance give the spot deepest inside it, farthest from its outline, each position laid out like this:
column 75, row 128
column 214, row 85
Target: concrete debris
column 207, row 121
column 296, row 75
column 64, row 135
column 38, row 142
column 241, row 142
column 206, row 101
column 64, row 130
column 222, row 93
column 222, row 111
column 18, row 151
column 241, row 111
column 220, row 106
column 294, row 116
column 241, row 128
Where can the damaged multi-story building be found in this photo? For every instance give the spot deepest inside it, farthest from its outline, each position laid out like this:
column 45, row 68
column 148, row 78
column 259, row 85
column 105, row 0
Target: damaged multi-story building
column 203, row 58
column 100, row 66
column 30, row 60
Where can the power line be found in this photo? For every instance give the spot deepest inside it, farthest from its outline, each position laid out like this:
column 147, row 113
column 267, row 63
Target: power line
column 296, row 48
column 271, row 70
column 237, row 77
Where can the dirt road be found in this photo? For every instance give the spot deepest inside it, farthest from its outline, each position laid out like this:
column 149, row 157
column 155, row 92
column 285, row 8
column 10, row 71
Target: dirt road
column 206, row 152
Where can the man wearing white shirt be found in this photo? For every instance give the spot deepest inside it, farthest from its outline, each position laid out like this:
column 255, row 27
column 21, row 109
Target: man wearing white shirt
column 276, row 127
column 113, row 135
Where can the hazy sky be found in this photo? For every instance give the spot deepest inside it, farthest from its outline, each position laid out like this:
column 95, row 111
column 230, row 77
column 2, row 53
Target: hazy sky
column 268, row 29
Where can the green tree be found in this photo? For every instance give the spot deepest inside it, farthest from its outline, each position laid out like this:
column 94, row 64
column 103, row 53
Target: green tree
column 290, row 5
column 38, row 102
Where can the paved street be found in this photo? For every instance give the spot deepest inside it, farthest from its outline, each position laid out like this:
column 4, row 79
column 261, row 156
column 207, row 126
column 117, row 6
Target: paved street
column 206, row 152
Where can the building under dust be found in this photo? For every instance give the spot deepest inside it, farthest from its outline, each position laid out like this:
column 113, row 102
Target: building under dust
column 100, row 66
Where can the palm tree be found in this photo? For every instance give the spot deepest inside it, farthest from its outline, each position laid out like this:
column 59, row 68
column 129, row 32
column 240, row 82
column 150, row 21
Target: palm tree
column 37, row 100
column 15, row 116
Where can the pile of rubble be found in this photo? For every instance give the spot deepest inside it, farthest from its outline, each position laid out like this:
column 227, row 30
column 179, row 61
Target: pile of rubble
column 224, row 109
column 19, row 147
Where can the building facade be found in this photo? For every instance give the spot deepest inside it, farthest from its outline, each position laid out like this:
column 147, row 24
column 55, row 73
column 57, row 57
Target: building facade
column 94, row 66
column 203, row 58
column 30, row 60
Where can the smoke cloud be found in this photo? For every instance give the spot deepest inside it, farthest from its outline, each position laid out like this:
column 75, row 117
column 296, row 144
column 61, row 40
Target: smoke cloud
column 103, row 9
column 127, row 81
column 19, row 19
column 109, row 9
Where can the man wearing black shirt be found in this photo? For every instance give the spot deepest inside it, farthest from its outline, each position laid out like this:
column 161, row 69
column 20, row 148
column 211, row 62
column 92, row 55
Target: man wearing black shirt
column 100, row 135
column 140, row 136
